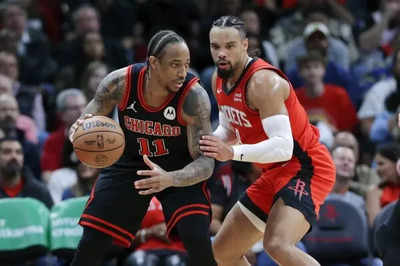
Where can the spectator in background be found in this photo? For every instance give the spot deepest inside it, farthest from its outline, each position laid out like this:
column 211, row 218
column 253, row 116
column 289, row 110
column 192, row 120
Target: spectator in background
column 86, row 44
column 86, row 177
column 324, row 102
column 316, row 38
column 50, row 13
column 5, row 85
column 92, row 76
column 93, row 48
column 253, row 28
column 66, row 176
column 382, row 28
column 388, row 238
column 374, row 100
column 388, row 190
column 269, row 11
column 15, row 180
column 384, row 127
column 365, row 176
column 345, row 162
column 18, row 181
column 15, row 125
column 11, row 111
column 388, row 234
column 32, row 47
column 136, row 43
column 70, row 104
column 291, row 26
column 377, row 36
column 151, row 244
column 85, row 19
column 8, row 41
column 29, row 98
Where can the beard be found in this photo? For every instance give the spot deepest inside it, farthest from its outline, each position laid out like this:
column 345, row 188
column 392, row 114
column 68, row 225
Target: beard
column 225, row 73
column 11, row 170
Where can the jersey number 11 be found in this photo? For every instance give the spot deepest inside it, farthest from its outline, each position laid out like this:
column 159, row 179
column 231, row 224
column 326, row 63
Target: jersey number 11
column 157, row 144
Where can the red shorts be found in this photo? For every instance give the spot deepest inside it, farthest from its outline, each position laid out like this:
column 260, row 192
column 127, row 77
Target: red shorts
column 303, row 183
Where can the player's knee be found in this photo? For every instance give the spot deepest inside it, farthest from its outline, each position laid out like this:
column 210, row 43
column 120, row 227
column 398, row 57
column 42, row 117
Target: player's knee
column 276, row 247
column 221, row 253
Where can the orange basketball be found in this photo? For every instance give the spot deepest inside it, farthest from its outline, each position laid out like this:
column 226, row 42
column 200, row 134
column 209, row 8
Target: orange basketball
column 99, row 142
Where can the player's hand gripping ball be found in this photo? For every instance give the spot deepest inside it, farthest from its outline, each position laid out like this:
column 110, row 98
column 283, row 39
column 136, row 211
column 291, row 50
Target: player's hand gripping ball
column 98, row 142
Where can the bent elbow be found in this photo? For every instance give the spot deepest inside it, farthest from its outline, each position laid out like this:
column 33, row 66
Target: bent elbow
column 287, row 156
column 290, row 149
column 287, row 150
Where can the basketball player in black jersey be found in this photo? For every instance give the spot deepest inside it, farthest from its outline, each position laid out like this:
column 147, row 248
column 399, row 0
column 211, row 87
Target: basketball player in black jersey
column 163, row 111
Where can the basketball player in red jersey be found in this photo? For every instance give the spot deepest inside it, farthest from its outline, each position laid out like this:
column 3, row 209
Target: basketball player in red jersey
column 262, row 121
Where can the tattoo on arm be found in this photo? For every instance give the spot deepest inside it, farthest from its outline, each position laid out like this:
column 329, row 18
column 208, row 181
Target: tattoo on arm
column 196, row 112
column 109, row 93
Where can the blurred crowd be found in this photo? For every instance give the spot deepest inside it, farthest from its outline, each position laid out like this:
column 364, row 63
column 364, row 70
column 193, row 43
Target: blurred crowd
column 342, row 57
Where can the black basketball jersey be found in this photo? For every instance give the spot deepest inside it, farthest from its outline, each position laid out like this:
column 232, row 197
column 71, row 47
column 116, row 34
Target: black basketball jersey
column 158, row 132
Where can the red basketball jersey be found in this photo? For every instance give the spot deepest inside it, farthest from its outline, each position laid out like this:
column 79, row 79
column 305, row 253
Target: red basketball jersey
column 246, row 122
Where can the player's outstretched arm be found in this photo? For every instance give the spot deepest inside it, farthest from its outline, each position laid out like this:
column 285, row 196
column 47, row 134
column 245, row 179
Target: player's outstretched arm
column 109, row 93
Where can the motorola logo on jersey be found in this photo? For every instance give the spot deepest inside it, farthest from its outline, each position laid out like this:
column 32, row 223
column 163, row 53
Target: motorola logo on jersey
column 152, row 128
column 169, row 113
column 235, row 116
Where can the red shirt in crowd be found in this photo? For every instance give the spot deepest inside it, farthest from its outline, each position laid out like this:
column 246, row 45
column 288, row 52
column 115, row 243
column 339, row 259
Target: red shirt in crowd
column 333, row 106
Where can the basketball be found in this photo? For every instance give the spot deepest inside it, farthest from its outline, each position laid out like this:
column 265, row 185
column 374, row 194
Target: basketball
column 99, row 142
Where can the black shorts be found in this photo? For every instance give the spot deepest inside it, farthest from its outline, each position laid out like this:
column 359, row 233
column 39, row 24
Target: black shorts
column 115, row 207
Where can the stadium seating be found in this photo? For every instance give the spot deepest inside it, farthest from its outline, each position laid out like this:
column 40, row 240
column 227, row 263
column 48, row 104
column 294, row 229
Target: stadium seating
column 65, row 232
column 340, row 235
column 380, row 220
column 23, row 230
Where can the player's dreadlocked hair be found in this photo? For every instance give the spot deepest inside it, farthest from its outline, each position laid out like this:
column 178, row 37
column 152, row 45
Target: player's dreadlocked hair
column 231, row 21
column 159, row 40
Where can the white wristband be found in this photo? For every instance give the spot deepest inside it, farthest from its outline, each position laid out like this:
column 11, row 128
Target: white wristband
column 238, row 154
